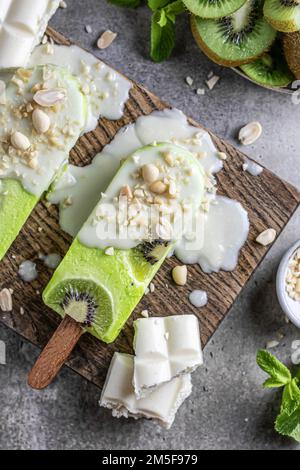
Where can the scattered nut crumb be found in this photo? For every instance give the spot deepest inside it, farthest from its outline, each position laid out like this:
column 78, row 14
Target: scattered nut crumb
column 200, row 91
column 152, row 287
column 189, row 81
column 110, row 251
column 222, row 155
column 106, row 39
column 266, row 237
column 62, row 4
column 6, row 303
column 145, row 313
column 88, row 29
column 272, row 344
column 22, row 311
column 211, row 82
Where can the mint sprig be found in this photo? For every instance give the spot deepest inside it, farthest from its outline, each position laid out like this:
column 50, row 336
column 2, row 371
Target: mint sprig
column 157, row 4
column 163, row 35
column 280, row 375
column 288, row 421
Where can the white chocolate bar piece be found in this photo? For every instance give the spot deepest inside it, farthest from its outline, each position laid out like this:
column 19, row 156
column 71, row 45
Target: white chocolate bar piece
column 165, row 347
column 22, row 25
column 161, row 405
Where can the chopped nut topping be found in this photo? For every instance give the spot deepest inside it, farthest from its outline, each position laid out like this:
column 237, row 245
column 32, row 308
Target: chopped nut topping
column 292, row 280
column 126, row 192
column 150, row 173
column 158, row 187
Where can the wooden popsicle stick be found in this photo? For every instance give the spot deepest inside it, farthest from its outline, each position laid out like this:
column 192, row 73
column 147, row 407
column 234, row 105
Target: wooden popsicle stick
column 55, row 353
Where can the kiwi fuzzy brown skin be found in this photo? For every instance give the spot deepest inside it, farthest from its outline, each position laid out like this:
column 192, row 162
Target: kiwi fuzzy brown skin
column 291, row 48
column 283, row 15
column 214, row 57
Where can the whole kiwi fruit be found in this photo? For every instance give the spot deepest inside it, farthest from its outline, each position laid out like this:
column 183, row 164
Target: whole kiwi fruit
column 291, row 47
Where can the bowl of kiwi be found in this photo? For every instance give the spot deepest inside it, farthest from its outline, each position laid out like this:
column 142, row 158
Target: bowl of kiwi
column 259, row 39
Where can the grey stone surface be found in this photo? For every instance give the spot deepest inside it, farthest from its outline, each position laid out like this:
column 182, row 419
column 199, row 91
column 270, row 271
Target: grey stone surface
column 228, row 408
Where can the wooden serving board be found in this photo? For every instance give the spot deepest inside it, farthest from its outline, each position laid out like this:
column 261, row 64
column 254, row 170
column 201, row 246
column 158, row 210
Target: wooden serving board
column 270, row 202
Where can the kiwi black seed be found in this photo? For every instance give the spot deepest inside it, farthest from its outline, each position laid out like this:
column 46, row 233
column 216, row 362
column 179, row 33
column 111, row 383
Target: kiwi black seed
column 236, row 39
column 283, row 15
column 270, row 69
column 153, row 251
column 213, row 8
column 291, row 47
column 80, row 304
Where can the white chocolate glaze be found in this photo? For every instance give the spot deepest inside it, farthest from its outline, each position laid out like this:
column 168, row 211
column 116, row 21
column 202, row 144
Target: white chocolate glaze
column 226, row 219
column 36, row 166
column 105, row 89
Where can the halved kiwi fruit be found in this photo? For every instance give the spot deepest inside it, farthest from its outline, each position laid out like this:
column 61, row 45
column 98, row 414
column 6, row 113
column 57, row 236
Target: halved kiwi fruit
column 270, row 69
column 291, row 47
column 236, row 39
column 283, row 15
column 213, row 8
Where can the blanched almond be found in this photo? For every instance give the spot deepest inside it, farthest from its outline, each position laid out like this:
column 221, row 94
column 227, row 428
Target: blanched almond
column 250, row 133
column 49, row 98
column 106, row 39
column 19, row 141
column 40, row 121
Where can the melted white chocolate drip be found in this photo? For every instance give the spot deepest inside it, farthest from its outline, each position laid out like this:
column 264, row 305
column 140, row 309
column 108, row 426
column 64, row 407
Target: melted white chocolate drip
column 225, row 224
column 105, row 89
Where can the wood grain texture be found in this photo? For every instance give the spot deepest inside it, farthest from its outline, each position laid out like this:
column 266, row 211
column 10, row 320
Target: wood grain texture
column 270, row 202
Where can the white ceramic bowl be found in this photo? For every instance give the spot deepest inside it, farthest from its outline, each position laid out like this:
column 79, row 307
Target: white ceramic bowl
column 289, row 306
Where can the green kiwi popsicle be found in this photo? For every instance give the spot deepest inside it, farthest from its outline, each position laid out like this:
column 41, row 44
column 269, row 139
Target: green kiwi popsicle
column 115, row 256
column 42, row 113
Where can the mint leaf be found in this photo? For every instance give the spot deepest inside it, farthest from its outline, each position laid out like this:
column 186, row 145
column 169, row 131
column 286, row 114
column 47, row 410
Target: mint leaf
column 126, row 3
column 163, row 19
column 174, row 9
column 289, row 424
column 162, row 38
column 290, row 397
column 279, row 373
column 157, row 4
